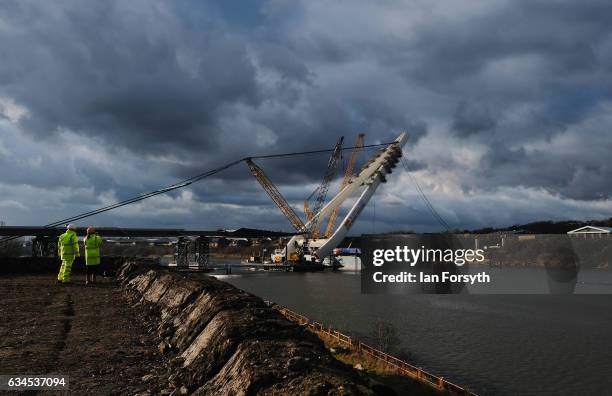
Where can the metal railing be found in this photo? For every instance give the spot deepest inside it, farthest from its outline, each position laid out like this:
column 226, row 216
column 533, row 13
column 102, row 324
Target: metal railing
column 390, row 361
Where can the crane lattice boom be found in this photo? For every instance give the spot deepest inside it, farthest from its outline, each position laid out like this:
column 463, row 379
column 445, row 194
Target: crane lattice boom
column 347, row 177
column 276, row 196
column 322, row 190
column 307, row 210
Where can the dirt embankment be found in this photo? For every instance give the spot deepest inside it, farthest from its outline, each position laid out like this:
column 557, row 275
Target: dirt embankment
column 221, row 340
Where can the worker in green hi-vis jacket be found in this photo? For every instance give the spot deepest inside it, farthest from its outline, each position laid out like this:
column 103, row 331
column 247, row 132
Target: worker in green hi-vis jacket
column 92, row 242
column 68, row 249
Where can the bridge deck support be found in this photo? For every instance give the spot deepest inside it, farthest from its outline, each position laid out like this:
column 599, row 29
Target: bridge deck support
column 43, row 246
column 189, row 251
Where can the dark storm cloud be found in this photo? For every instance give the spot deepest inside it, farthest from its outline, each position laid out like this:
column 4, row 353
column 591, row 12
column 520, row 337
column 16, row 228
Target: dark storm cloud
column 472, row 118
column 551, row 58
column 563, row 33
column 138, row 76
column 497, row 95
column 129, row 73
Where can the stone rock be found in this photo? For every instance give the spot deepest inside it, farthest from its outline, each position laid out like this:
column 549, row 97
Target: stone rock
column 297, row 363
column 163, row 347
column 177, row 361
column 148, row 378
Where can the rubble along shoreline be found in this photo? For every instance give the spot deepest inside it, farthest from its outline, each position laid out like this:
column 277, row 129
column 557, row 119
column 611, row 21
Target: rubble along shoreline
column 222, row 340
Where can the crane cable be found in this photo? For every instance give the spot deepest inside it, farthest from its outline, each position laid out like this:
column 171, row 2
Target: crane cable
column 181, row 184
column 428, row 203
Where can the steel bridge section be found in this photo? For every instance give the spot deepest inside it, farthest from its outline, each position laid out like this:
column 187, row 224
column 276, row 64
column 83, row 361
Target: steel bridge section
column 188, row 251
column 44, row 246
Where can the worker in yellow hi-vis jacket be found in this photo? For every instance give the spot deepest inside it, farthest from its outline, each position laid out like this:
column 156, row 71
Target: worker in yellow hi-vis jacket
column 92, row 242
column 68, row 249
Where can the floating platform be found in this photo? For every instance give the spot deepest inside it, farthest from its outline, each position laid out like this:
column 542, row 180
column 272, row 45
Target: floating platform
column 307, row 267
column 288, row 267
column 294, row 267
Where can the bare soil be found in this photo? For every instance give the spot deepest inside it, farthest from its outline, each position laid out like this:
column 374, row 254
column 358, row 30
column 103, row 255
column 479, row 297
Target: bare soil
column 86, row 332
column 159, row 332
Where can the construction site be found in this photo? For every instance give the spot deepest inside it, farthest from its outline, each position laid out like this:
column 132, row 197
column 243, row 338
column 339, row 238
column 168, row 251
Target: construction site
column 158, row 324
column 180, row 311
column 311, row 247
column 308, row 197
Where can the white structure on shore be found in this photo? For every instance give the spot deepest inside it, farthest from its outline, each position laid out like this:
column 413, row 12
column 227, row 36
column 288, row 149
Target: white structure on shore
column 591, row 230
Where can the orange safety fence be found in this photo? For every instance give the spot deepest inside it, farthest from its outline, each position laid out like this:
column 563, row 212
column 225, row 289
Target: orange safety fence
column 401, row 366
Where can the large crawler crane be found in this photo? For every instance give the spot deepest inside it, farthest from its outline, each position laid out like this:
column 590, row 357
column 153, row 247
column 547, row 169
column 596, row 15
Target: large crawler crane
column 305, row 247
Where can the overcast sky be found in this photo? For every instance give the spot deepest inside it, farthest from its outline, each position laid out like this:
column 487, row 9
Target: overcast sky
column 508, row 104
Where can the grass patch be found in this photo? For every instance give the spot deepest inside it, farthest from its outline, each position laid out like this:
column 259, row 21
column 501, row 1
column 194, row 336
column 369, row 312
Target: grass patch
column 377, row 369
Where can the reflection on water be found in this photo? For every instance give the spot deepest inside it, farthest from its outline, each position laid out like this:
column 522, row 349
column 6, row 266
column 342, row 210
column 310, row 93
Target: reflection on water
column 494, row 344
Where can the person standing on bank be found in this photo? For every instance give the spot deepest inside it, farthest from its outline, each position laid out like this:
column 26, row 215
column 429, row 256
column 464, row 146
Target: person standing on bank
column 68, row 249
column 92, row 242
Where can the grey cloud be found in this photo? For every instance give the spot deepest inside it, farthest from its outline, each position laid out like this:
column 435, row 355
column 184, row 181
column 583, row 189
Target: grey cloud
column 112, row 72
column 136, row 85
column 472, row 118
column 168, row 92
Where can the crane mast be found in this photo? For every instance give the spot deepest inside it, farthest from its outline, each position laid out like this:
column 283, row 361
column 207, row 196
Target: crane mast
column 347, row 176
column 322, row 190
column 307, row 211
column 276, row 196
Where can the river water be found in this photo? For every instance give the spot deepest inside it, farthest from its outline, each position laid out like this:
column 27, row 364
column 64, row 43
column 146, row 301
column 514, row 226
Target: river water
column 492, row 344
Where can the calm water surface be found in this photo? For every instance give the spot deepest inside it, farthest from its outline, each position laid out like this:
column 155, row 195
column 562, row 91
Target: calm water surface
column 493, row 344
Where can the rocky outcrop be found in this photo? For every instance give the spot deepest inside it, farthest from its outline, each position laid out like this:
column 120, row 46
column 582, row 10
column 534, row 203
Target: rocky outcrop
column 221, row 340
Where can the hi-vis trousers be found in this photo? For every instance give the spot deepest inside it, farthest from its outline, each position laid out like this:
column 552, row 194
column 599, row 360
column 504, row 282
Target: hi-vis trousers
column 65, row 269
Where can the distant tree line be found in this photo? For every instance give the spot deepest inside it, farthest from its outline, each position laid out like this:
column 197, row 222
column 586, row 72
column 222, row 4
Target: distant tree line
column 537, row 227
column 545, row 227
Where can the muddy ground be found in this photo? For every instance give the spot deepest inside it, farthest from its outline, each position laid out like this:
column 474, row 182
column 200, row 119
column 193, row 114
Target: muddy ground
column 86, row 332
column 156, row 332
